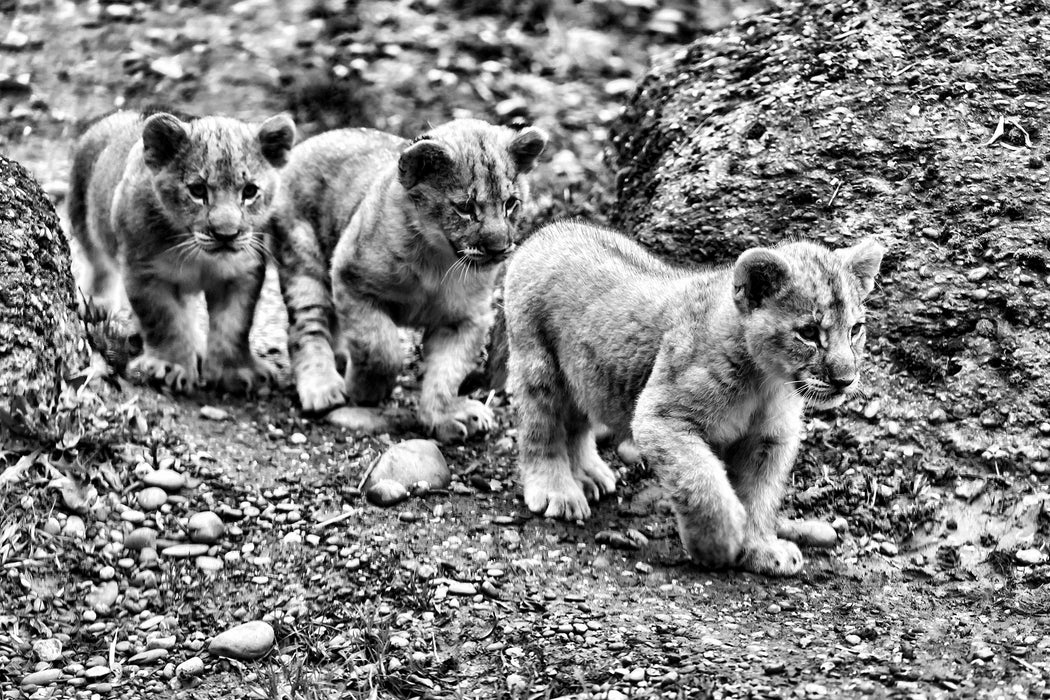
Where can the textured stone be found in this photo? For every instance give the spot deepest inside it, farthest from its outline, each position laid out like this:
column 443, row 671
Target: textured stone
column 410, row 462
column 246, row 642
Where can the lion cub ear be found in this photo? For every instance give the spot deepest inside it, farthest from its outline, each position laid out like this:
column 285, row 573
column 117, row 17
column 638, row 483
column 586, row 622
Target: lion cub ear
column 163, row 138
column 527, row 147
column 276, row 138
column 422, row 160
column 759, row 274
column 863, row 260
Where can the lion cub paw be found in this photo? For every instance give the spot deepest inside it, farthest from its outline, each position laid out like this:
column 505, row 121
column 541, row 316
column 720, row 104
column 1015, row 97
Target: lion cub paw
column 320, row 389
column 595, row 477
column 713, row 535
column 147, row 368
column 242, row 377
column 555, row 496
column 772, row 557
column 465, row 418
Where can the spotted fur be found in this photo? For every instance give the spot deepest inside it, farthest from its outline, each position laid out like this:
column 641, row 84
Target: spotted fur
column 707, row 371
column 165, row 209
column 377, row 232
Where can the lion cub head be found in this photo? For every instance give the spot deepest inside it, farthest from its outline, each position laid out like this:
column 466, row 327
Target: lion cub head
column 803, row 312
column 215, row 177
column 466, row 179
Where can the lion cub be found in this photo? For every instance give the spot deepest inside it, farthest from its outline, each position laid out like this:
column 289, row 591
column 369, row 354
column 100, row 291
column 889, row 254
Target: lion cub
column 165, row 208
column 376, row 232
column 707, row 371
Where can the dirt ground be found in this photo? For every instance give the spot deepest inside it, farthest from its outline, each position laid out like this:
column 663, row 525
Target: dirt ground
column 460, row 594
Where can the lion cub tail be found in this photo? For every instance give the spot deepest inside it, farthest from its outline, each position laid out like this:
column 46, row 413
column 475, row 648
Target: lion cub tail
column 491, row 375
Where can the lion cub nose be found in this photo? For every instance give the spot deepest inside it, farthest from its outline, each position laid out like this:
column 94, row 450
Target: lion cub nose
column 499, row 252
column 840, row 384
column 223, row 237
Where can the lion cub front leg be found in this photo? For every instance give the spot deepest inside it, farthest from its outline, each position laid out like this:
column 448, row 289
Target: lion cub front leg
column 711, row 518
column 759, row 467
column 171, row 347
column 449, row 353
column 229, row 362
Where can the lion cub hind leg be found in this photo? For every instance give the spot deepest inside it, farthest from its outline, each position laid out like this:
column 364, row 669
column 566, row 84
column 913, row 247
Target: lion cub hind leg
column 595, row 477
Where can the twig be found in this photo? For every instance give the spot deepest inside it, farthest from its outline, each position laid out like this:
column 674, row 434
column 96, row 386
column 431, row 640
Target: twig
column 368, row 472
column 834, row 194
column 334, row 519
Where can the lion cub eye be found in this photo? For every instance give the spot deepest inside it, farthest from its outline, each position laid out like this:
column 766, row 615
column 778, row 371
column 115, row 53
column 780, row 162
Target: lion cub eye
column 809, row 333
column 198, row 190
column 466, row 209
column 857, row 329
column 250, row 191
column 511, row 205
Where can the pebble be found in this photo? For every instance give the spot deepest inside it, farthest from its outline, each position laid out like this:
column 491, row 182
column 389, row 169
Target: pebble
column 190, row 668
column 977, row 274
column 167, row 479
column 808, row 533
column 106, row 573
column 619, row 86
column 888, row 548
column 101, row 598
column 636, row 675
column 206, row 527
column 152, row 497
column 52, row 526
column 160, row 641
column 75, row 527
column 386, row 493
column 214, row 413
column 48, row 650
column 140, row 538
column 45, row 677
column 297, row 439
column 210, row 564
column 852, row 639
column 1030, row 557
column 410, row 462
column 840, row 524
column 150, row 656
column 464, row 588
column 96, row 672
column 872, row 409
column 184, row 551
column 629, row 453
column 245, row 642
column 984, row 654
column 135, row 517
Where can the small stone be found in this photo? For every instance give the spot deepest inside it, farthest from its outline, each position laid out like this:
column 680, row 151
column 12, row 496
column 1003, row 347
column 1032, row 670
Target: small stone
column 386, row 493
column 464, row 588
column 152, row 497
column 420, row 489
column 106, row 573
column 190, row 668
column 96, row 672
column 872, row 409
column 937, row 415
column 184, row 551
column 636, row 675
column 210, row 564
column 140, row 538
column 48, row 650
column 101, row 598
column 410, row 462
column 852, row 639
column 52, row 526
column 75, row 527
column 808, row 533
column 206, row 527
column 167, row 479
column 888, row 548
column 619, row 86
column 150, row 656
column 135, row 517
column 245, row 642
column 516, row 683
column 840, row 524
column 774, row 667
column 45, row 677
column 983, row 653
column 1029, row 557
column 629, row 453
column 168, row 66
column 297, row 439
column 773, row 609
column 213, row 413
column 160, row 641
column 977, row 274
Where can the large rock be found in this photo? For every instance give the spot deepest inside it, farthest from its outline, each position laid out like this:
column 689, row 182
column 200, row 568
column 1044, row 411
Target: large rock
column 410, row 462
column 247, row 642
column 40, row 330
column 832, row 120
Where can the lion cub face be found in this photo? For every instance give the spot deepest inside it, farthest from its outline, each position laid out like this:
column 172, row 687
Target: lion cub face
column 803, row 309
column 466, row 181
column 215, row 178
